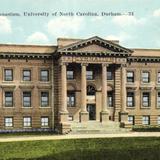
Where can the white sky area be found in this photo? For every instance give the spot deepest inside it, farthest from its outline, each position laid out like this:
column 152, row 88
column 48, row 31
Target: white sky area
column 139, row 27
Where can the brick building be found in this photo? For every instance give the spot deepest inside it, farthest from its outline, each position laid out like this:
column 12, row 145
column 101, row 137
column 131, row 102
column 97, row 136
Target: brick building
column 80, row 80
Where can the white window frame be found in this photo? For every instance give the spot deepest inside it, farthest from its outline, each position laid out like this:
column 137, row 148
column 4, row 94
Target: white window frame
column 132, row 76
column 146, row 102
column 131, row 119
column 158, row 120
column 27, row 121
column 145, row 120
column 130, row 103
column 145, row 79
column 8, row 121
column 44, row 121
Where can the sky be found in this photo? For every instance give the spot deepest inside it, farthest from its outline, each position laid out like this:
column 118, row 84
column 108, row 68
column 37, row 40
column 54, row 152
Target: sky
column 135, row 23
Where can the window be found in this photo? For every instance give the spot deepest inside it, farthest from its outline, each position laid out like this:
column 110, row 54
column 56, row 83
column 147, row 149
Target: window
column 158, row 77
column 145, row 120
column 130, row 99
column 110, row 99
column 44, row 99
column 109, row 75
column 70, row 75
column 44, row 121
column 26, row 75
column 8, row 121
column 158, row 120
column 27, row 121
column 145, row 77
column 91, row 91
column 26, row 99
column 8, row 75
column 146, row 99
column 130, row 76
column 131, row 119
column 158, row 99
column 71, row 99
column 8, row 99
column 44, row 76
column 90, row 75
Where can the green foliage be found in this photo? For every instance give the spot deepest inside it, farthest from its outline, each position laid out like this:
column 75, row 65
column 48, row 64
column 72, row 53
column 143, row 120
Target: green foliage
column 83, row 149
column 147, row 128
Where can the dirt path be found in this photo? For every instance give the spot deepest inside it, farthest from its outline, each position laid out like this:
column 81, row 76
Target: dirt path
column 58, row 137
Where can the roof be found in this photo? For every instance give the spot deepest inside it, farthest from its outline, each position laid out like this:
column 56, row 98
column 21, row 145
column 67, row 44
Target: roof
column 14, row 48
column 77, row 46
column 146, row 52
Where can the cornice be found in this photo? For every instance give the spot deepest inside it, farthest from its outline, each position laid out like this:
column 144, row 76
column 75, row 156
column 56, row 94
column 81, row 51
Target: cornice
column 143, row 59
column 25, row 56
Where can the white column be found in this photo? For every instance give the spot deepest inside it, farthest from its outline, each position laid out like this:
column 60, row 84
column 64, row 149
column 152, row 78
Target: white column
column 124, row 92
column 83, row 87
column 63, row 88
column 104, row 112
column 104, row 88
column 83, row 114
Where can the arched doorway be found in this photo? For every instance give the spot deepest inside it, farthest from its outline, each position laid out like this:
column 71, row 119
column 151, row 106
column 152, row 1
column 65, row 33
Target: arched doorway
column 91, row 107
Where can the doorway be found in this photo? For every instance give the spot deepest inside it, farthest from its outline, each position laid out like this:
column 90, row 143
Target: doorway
column 91, row 108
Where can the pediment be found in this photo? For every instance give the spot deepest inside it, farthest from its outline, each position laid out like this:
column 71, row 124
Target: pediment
column 93, row 48
column 94, row 44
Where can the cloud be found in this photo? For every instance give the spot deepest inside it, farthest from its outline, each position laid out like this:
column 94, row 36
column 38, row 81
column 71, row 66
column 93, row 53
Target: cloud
column 96, row 19
column 122, row 37
column 37, row 38
column 125, row 21
column 156, row 13
column 5, row 25
column 64, row 26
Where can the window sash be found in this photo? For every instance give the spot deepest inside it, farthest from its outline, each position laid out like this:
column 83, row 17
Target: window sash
column 109, row 75
column 131, row 119
column 158, row 120
column 145, row 120
column 26, row 99
column 89, row 75
column 71, row 100
column 158, row 99
column 158, row 77
column 44, row 121
column 8, row 99
column 44, row 99
column 110, row 99
column 26, row 75
column 146, row 99
column 145, row 77
column 8, row 122
column 130, row 99
column 8, row 75
column 27, row 121
column 130, row 76
column 70, row 75
column 44, row 75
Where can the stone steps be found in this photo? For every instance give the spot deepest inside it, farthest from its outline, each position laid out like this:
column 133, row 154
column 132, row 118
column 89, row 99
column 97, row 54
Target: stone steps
column 95, row 127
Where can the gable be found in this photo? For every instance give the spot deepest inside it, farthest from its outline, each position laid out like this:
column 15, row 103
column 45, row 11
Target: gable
column 93, row 48
column 95, row 44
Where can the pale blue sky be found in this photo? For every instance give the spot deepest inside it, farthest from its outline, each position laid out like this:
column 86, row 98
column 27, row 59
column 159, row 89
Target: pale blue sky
column 139, row 31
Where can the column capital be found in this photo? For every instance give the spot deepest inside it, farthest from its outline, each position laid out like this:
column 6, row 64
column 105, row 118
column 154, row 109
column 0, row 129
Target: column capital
column 63, row 63
column 84, row 64
column 124, row 65
column 105, row 64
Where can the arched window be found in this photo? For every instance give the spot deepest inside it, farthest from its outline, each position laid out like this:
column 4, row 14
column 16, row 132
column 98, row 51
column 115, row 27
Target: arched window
column 91, row 90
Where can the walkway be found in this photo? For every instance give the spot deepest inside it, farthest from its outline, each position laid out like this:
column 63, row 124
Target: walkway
column 80, row 136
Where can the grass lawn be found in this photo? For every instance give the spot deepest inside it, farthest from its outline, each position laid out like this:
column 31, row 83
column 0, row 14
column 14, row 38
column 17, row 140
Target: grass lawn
column 84, row 149
column 29, row 134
